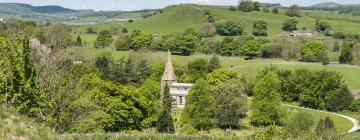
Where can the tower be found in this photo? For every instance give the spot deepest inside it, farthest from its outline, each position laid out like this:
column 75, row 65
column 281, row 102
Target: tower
column 169, row 76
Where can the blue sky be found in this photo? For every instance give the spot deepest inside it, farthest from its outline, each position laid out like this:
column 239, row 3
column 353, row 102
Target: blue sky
column 148, row 4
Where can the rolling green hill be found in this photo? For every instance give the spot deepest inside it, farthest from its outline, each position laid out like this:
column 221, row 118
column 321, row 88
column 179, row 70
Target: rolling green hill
column 177, row 18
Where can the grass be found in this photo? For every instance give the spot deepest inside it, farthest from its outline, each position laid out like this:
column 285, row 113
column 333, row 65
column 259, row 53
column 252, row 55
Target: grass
column 177, row 18
column 248, row 68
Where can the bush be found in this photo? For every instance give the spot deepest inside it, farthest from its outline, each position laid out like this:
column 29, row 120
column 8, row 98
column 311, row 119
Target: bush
column 340, row 100
column 293, row 11
column 229, row 28
column 271, row 132
column 211, row 19
column 339, row 35
column 122, row 43
column 299, row 125
column 275, row 11
column 251, row 49
column 188, row 130
column 355, row 106
column 313, row 51
column 290, row 25
column 232, row 8
column 246, row 6
column 260, row 28
column 346, row 56
column 322, row 26
column 124, row 30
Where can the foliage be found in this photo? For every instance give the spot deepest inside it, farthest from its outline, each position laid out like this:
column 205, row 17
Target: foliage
column 232, row 8
column 90, row 30
column 208, row 29
column 313, row 51
column 231, row 103
column 293, row 11
column 165, row 122
column 57, row 35
column 275, row 11
column 139, row 39
column 355, row 105
column 200, row 106
column 124, row 30
column 266, row 103
column 229, row 28
column 325, row 129
column 290, row 25
column 78, row 41
column 300, row 125
column 270, row 132
column 214, row 63
column 104, row 39
column 211, row 19
column 103, row 63
column 346, row 56
column 251, row 49
column 221, row 75
column 257, row 6
column 188, row 129
column 184, row 45
column 19, row 77
column 197, row 69
column 260, row 28
column 340, row 100
column 322, row 26
column 122, row 43
column 246, row 6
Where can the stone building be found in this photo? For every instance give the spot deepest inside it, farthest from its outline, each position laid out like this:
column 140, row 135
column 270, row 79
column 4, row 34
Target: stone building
column 178, row 91
column 302, row 33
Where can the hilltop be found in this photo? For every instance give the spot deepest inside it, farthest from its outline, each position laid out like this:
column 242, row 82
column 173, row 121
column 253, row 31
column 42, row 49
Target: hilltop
column 18, row 8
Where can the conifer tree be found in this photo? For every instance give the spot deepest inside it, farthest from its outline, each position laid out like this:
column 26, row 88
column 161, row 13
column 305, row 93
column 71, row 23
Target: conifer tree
column 214, row 63
column 346, row 56
column 165, row 122
column 78, row 41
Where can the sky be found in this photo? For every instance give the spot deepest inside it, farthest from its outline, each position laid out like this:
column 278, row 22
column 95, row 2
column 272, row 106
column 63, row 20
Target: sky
column 129, row 5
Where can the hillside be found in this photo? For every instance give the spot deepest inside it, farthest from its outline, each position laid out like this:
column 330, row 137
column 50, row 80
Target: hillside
column 175, row 19
column 17, row 8
column 17, row 127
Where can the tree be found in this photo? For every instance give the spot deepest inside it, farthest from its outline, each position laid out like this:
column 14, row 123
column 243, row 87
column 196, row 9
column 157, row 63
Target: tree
column 251, row 49
column 57, row 35
column 103, row 64
column 340, row 100
column 139, row 39
column 246, row 5
column 104, row 39
column 124, row 30
column 90, row 30
column 184, row 45
column 208, row 29
column 207, row 13
column 355, row 106
column 165, row 122
column 313, row 51
column 78, row 41
column 290, row 25
column 214, row 63
column 322, row 26
column 197, row 69
column 266, row 103
column 346, row 56
column 299, row 125
column 265, row 10
column 232, row 8
column 231, row 104
column 326, row 130
column 275, row 10
column 229, row 28
column 220, row 76
column 122, row 43
column 200, row 106
column 259, row 28
column 257, row 6
column 211, row 19
column 293, row 11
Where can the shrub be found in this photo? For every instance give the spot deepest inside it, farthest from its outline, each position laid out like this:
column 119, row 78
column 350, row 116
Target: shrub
column 275, row 11
column 122, row 43
column 293, row 11
column 340, row 100
column 299, row 124
column 246, row 6
column 229, row 28
column 313, row 51
column 251, row 49
column 355, row 105
column 260, row 28
column 346, row 56
column 290, row 25
column 232, row 8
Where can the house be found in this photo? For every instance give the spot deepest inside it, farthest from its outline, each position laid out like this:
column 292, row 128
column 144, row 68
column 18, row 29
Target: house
column 302, row 33
column 178, row 91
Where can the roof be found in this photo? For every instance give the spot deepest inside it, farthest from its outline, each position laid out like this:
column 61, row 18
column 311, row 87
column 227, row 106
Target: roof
column 169, row 74
column 182, row 85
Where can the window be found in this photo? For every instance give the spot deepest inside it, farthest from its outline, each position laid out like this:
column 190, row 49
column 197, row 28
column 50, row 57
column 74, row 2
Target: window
column 180, row 99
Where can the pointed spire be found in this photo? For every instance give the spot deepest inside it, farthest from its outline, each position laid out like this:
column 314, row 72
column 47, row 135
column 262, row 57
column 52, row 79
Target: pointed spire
column 169, row 74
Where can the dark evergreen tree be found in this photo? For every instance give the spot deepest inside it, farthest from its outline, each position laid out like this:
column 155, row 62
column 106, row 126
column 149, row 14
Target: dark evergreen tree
column 142, row 71
column 119, row 72
column 78, row 41
column 103, row 64
column 340, row 100
column 214, row 63
column 211, row 19
column 129, row 72
column 165, row 122
column 320, row 127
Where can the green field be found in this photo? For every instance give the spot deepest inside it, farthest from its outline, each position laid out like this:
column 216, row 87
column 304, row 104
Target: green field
column 177, row 18
column 248, row 68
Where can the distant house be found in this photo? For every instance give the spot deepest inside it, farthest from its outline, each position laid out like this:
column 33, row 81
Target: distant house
column 302, row 33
